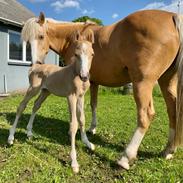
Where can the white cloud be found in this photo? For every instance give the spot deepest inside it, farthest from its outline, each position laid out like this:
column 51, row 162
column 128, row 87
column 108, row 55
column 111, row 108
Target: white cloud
column 173, row 6
column 154, row 5
column 88, row 12
column 115, row 15
column 61, row 4
column 37, row 1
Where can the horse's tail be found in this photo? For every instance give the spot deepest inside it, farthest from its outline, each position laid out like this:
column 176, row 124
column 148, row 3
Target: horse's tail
column 178, row 19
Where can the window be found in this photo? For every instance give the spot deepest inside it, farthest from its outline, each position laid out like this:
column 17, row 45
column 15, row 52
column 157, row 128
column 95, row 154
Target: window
column 15, row 47
column 28, row 52
column 18, row 52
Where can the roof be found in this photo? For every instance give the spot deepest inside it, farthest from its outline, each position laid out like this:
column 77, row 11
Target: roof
column 12, row 12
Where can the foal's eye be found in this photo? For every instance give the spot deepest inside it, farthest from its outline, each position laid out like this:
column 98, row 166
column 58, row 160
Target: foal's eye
column 41, row 37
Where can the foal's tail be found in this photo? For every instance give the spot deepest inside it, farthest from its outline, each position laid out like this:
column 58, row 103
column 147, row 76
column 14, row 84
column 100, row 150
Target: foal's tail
column 178, row 19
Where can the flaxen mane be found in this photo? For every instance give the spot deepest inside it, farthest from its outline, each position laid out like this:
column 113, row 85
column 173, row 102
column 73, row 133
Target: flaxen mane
column 32, row 28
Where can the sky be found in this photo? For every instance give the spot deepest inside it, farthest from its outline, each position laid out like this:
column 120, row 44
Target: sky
column 109, row 11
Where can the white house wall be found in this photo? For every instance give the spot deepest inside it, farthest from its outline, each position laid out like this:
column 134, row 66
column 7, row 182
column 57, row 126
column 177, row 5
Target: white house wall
column 16, row 75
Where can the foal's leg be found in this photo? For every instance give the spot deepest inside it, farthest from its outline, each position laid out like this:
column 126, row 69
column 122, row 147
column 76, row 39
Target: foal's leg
column 168, row 84
column 37, row 104
column 31, row 92
column 81, row 119
column 73, row 129
column 93, row 103
column 145, row 112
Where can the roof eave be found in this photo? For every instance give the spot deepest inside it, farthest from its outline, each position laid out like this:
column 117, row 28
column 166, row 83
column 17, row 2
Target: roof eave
column 11, row 22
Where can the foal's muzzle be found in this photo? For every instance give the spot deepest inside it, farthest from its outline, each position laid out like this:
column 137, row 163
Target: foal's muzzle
column 84, row 78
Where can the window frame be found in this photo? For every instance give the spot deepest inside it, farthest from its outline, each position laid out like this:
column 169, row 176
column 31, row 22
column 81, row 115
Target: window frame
column 17, row 62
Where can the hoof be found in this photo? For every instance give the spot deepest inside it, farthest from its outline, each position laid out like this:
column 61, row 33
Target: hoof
column 29, row 135
column 168, row 156
column 92, row 147
column 10, row 140
column 75, row 169
column 92, row 131
column 124, row 163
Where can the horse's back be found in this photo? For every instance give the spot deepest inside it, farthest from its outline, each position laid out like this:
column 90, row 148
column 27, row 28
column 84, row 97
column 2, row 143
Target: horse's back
column 152, row 42
column 145, row 43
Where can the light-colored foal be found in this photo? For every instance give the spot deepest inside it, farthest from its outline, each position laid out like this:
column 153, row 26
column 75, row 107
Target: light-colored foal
column 71, row 81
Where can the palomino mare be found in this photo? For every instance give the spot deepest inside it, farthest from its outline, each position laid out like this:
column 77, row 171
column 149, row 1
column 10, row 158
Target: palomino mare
column 71, row 82
column 143, row 48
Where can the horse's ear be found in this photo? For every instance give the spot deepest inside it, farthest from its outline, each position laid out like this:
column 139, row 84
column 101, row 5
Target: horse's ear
column 76, row 36
column 90, row 36
column 41, row 19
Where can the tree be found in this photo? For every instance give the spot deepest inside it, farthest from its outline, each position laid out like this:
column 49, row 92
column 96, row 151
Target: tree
column 85, row 18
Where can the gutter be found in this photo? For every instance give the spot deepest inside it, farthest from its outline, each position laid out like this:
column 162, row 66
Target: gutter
column 5, row 94
column 11, row 22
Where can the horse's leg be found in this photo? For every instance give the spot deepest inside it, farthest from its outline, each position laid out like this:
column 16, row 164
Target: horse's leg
column 37, row 104
column 73, row 129
column 31, row 92
column 81, row 119
column 168, row 84
column 145, row 112
column 93, row 103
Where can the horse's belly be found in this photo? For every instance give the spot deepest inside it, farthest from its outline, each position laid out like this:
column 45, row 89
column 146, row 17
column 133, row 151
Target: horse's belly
column 109, row 76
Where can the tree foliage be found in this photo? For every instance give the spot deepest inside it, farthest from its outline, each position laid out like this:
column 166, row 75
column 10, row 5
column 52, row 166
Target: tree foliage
column 81, row 19
column 85, row 18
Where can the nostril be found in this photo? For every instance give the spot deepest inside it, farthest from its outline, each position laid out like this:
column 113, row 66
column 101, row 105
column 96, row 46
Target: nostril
column 84, row 78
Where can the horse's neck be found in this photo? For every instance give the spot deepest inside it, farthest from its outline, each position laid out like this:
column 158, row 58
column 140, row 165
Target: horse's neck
column 59, row 35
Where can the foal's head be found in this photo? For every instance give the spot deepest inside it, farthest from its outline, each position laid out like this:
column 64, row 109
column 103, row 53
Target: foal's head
column 35, row 32
column 83, row 53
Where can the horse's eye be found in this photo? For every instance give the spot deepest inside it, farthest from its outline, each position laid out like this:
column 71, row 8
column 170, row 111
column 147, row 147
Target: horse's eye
column 76, row 55
column 41, row 37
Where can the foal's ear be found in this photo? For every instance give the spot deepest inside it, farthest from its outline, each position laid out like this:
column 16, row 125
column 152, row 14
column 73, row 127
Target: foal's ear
column 41, row 19
column 76, row 36
column 89, row 35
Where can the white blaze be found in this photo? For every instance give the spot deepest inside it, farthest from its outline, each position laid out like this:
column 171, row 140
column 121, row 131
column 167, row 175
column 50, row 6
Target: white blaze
column 34, row 51
column 84, row 62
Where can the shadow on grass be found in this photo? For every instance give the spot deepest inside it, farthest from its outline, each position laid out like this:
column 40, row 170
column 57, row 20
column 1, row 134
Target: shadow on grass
column 56, row 131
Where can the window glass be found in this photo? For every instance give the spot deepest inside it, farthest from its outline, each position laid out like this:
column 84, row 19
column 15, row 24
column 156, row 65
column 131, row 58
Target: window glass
column 28, row 52
column 15, row 46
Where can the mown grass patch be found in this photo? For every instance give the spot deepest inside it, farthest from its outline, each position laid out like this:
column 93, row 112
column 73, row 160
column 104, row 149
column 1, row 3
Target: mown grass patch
column 45, row 158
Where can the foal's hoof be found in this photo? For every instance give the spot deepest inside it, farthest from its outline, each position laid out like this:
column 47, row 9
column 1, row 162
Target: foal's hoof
column 10, row 140
column 75, row 169
column 92, row 146
column 29, row 135
column 124, row 163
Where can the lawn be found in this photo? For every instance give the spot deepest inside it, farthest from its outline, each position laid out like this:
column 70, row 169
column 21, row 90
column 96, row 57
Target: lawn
column 45, row 158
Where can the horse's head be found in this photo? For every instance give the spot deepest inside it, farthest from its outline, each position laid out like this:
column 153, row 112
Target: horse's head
column 83, row 53
column 35, row 32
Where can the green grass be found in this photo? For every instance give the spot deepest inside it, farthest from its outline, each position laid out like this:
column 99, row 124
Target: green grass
column 45, row 158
